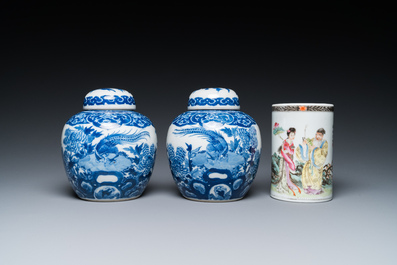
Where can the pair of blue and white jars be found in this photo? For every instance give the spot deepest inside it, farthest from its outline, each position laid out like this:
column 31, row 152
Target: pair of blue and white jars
column 213, row 148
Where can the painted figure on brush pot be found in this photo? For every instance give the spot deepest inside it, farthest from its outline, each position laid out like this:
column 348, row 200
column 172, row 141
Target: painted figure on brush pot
column 287, row 165
column 313, row 153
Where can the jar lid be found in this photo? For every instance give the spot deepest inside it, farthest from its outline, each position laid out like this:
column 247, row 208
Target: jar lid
column 213, row 98
column 109, row 98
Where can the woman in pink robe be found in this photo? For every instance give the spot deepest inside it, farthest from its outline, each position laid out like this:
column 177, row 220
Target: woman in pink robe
column 287, row 163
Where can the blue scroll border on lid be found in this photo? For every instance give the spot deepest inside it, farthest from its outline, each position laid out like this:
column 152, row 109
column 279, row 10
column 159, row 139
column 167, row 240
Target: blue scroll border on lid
column 109, row 100
column 199, row 101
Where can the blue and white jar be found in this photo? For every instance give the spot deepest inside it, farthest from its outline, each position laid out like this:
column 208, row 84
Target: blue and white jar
column 214, row 149
column 109, row 150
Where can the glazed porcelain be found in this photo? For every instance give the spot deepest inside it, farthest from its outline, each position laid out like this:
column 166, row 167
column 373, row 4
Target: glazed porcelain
column 109, row 149
column 214, row 149
column 302, row 141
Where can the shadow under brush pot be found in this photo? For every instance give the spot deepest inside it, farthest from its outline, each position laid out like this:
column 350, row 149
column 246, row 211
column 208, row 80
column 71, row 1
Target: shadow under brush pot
column 214, row 149
column 109, row 150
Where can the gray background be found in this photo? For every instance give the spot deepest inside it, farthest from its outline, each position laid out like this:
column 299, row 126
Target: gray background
column 52, row 55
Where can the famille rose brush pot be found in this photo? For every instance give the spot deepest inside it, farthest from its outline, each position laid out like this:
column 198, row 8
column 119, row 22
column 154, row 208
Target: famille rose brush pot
column 213, row 148
column 302, row 141
column 109, row 149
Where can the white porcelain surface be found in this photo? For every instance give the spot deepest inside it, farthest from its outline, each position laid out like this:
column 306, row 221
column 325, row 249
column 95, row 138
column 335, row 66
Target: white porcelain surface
column 298, row 164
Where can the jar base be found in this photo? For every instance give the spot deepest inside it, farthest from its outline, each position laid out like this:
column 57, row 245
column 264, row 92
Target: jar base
column 300, row 199
column 213, row 201
column 111, row 200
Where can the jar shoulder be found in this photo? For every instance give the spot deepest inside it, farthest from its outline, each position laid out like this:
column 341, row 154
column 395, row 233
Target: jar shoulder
column 200, row 117
column 99, row 117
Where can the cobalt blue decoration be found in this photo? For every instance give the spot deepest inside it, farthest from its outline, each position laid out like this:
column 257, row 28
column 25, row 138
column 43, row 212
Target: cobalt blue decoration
column 109, row 150
column 214, row 149
column 198, row 101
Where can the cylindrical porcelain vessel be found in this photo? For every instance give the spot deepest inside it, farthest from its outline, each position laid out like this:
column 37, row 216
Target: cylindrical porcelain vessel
column 213, row 148
column 302, row 141
column 109, row 150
